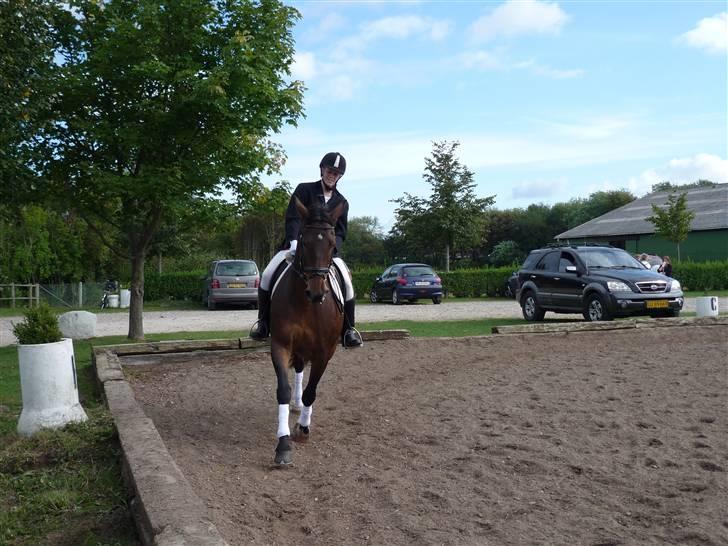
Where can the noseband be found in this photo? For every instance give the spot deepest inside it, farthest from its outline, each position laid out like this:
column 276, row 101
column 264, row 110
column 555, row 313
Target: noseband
column 308, row 273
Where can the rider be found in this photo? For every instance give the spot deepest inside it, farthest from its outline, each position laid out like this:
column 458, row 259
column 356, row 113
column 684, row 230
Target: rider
column 323, row 191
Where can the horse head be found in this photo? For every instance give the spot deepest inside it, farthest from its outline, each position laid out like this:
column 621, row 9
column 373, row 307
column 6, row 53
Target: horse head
column 316, row 245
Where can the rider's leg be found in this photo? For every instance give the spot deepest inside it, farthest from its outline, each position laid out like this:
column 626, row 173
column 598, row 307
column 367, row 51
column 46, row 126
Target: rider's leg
column 261, row 329
column 350, row 337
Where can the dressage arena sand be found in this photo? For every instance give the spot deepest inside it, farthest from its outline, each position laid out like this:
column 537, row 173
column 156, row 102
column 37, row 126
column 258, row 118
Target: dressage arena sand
column 583, row 438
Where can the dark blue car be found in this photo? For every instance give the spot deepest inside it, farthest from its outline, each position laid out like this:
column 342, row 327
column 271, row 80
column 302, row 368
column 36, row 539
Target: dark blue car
column 407, row 282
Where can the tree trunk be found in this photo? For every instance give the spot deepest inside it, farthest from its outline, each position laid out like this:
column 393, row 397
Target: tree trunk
column 447, row 257
column 678, row 252
column 159, row 263
column 136, row 306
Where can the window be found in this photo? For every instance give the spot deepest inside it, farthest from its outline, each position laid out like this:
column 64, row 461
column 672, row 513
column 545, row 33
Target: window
column 550, row 262
column 565, row 261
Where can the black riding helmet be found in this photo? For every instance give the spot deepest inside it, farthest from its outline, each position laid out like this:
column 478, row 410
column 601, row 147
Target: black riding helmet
column 334, row 161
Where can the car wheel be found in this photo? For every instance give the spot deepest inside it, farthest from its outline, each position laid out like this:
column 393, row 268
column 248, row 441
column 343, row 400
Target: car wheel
column 437, row 300
column 531, row 309
column 596, row 309
column 395, row 297
column 211, row 304
column 373, row 297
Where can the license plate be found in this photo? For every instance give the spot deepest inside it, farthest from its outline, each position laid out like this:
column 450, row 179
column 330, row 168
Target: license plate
column 236, row 285
column 422, row 283
column 656, row 304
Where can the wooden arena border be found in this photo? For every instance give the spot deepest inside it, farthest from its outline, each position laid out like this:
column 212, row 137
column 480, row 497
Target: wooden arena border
column 569, row 327
column 166, row 509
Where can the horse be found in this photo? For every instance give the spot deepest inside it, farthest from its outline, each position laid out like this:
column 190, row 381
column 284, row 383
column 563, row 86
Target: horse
column 306, row 322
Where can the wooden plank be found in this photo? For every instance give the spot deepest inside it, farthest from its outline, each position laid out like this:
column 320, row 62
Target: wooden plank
column 158, row 347
column 550, row 327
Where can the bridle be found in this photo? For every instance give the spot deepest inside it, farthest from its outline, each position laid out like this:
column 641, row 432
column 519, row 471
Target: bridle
column 308, row 273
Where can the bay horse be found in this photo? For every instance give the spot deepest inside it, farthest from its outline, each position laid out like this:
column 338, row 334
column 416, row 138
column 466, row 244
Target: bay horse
column 306, row 322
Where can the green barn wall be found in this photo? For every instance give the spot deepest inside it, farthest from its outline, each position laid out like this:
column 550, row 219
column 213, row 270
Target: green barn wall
column 700, row 246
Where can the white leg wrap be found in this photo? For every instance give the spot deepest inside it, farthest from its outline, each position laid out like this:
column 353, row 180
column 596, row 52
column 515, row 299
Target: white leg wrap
column 283, row 429
column 348, row 286
column 298, row 390
column 305, row 418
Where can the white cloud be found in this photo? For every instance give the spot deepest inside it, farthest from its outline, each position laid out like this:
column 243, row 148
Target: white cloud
column 404, row 26
column 304, row 66
column 549, row 72
column 592, row 129
column 682, row 171
column 538, row 189
column 479, row 59
column 711, row 34
column 517, row 17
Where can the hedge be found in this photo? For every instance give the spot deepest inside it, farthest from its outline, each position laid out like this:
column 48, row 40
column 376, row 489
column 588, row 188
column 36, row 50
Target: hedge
column 461, row 283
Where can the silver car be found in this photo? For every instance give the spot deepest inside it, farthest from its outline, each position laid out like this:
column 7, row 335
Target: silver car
column 231, row 282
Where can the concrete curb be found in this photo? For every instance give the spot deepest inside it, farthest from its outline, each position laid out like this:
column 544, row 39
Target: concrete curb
column 165, row 507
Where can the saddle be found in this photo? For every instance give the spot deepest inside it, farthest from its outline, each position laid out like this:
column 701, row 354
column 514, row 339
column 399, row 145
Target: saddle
column 335, row 278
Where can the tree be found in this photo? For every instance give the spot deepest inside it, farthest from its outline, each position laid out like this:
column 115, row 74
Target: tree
column 673, row 221
column 261, row 231
column 27, row 44
column 364, row 243
column 452, row 216
column 158, row 104
column 506, row 253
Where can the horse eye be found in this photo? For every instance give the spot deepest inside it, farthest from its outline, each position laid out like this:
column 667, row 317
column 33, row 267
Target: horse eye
column 320, row 236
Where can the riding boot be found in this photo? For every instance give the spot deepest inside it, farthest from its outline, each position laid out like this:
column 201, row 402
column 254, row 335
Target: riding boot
column 350, row 336
column 261, row 329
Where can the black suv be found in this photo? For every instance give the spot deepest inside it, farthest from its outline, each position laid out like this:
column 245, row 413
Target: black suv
column 601, row 282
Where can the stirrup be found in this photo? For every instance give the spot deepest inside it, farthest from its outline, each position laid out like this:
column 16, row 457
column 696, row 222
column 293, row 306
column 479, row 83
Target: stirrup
column 352, row 338
column 259, row 331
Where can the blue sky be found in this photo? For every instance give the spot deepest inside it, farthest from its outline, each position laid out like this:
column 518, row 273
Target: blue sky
column 549, row 100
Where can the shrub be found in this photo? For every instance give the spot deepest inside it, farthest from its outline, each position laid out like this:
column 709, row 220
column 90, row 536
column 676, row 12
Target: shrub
column 40, row 325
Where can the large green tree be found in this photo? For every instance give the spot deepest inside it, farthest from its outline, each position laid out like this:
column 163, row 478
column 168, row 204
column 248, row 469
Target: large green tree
column 27, row 43
column 158, row 104
column 452, row 216
column 673, row 221
column 364, row 243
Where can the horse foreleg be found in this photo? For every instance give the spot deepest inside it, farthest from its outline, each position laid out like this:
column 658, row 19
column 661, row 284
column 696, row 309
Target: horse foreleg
column 298, row 365
column 284, row 450
column 308, row 398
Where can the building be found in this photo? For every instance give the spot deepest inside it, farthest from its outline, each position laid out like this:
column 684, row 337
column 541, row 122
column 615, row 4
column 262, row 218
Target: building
column 627, row 227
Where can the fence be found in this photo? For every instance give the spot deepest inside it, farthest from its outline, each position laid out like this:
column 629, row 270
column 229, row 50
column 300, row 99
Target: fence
column 71, row 295
column 28, row 294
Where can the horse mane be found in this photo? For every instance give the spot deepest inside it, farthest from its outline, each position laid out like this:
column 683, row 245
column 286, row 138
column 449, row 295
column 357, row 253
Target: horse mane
column 318, row 214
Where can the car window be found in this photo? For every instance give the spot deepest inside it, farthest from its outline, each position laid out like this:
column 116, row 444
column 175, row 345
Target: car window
column 565, row 261
column 236, row 269
column 531, row 260
column 394, row 271
column 609, row 257
column 386, row 273
column 550, row 262
column 417, row 271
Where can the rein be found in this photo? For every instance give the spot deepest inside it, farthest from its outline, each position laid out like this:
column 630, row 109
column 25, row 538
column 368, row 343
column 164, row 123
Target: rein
column 307, row 273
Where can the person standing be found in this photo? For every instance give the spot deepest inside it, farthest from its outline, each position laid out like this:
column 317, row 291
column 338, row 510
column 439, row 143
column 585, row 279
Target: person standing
column 324, row 192
column 665, row 267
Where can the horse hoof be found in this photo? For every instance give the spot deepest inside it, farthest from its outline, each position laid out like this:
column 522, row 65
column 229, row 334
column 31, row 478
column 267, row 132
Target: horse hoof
column 284, row 452
column 300, row 433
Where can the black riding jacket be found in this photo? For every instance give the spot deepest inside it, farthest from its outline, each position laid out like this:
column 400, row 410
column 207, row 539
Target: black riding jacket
column 309, row 193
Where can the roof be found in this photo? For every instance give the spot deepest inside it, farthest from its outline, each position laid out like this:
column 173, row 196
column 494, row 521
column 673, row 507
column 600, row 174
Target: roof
column 710, row 205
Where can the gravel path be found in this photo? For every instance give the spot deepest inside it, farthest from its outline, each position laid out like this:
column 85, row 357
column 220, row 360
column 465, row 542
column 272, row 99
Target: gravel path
column 108, row 324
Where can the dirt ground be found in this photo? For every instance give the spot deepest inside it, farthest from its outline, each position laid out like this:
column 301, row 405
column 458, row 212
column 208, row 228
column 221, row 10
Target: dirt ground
column 583, row 438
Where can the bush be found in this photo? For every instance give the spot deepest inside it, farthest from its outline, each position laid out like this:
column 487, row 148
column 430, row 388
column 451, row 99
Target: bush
column 40, row 325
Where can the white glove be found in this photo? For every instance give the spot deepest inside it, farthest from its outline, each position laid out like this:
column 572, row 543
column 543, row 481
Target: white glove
column 291, row 251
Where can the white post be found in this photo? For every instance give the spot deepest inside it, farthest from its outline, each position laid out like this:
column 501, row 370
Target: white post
column 80, row 294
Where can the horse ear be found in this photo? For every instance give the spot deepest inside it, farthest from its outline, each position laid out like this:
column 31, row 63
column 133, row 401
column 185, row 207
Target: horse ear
column 338, row 211
column 302, row 210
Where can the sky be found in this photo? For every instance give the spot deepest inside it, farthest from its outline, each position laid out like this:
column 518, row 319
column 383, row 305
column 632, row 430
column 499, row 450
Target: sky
column 549, row 100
